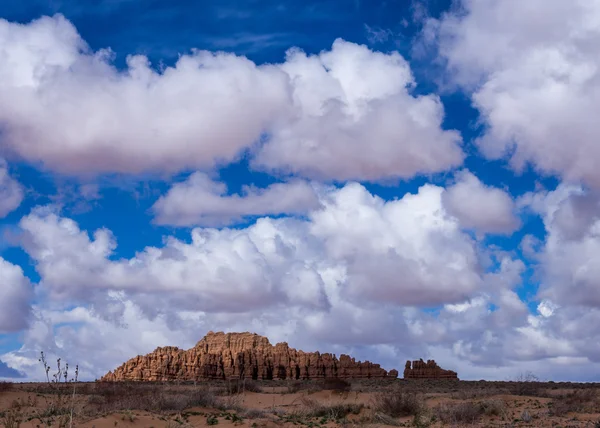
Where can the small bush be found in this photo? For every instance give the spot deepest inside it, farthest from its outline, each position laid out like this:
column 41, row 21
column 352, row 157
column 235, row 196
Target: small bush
column 469, row 412
column 527, row 384
column 399, row 404
column 493, row 407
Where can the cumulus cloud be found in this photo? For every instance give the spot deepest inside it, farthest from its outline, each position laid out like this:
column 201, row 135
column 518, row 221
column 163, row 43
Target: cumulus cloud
column 201, row 201
column 346, row 113
column 412, row 238
column 69, row 107
column 567, row 260
column 15, row 295
column 356, row 239
column 355, row 118
column 534, row 77
column 11, row 192
column 8, row 372
column 483, row 208
column 231, row 270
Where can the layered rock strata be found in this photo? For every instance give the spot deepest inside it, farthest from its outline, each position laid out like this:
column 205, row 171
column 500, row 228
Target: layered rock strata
column 241, row 356
column 427, row 370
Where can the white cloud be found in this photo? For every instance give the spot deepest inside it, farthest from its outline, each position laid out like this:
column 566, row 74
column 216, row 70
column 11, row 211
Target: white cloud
column 534, row 74
column 354, row 118
column 483, row 208
column 201, row 201
column 15, row 296
column 568, row 258
column 11, row 192
column 412, row 239
column 68, row 107
column 356, row 240
column 230, row 270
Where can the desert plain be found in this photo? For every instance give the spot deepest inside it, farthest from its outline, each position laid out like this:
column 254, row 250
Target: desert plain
column 313, row 404
column 241, row 380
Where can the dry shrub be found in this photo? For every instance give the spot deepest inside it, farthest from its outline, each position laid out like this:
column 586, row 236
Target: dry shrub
column 493, row 407
column 584, row 400
column 11, row 419
column 336, row 384
column 469, row 412
column 6, row 386
column 239, row 386
column 111, row 397
column 399, row 404
column 300, row 385
column 254, row 414
column 334, row 412
column 527, row 384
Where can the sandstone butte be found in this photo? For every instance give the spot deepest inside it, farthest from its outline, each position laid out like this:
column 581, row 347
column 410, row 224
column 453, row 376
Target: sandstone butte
column 427, row 370
column 241, row 356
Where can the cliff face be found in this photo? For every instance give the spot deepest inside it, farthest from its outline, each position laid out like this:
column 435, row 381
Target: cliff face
column 238, row 356
column 427, row 370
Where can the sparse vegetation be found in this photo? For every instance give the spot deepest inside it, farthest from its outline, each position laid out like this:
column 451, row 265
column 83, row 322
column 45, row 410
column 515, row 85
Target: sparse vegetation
column 60, row 407
column 312, row 409
column 586, row 400
column 112, row 397
column 11, row 418
column 369, row 403
column 6, row 386
column 336, row 384
column 468, row 412
column 527, row 384
column 239, row 386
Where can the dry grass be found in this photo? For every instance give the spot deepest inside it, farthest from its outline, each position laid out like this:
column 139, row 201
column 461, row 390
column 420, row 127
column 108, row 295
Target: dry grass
column 579, row 401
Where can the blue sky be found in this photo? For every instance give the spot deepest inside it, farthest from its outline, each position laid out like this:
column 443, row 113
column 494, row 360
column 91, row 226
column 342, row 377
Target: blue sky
column 394, row 179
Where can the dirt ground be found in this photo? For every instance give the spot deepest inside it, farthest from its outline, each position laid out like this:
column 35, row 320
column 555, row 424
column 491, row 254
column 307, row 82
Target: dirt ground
column 315, row 404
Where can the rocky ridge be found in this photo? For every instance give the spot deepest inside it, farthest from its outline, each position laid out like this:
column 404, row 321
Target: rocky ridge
column 238, row 356
column 427, row 370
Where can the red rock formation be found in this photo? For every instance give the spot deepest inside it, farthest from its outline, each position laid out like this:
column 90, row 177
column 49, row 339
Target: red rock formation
column 427, row 370
column 238, row 356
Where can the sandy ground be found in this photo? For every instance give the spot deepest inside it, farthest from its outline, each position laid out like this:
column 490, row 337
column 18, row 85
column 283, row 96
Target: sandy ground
column 38, row 405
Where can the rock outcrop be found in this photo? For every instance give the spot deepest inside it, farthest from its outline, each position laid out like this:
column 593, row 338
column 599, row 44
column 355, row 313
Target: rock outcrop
column 427, row 370
column 239, row 356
